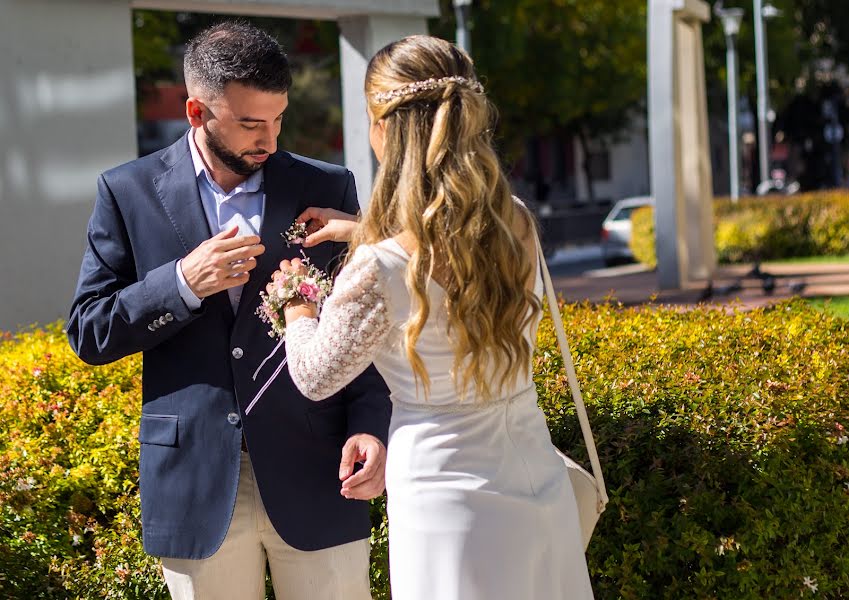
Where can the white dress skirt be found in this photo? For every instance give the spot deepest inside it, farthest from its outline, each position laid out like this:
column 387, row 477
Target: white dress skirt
column 480, row 505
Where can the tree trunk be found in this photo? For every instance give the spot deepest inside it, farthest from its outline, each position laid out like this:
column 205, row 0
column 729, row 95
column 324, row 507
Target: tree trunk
column 585, row 150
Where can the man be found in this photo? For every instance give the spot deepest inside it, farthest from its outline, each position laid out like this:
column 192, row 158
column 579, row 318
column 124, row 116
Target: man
column 179, row 245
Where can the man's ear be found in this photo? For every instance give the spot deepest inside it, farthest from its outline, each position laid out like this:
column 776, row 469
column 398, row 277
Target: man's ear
column 195, row 110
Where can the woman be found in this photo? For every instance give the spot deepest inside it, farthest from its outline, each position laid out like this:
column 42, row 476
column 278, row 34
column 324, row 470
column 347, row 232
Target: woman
column 442, row 292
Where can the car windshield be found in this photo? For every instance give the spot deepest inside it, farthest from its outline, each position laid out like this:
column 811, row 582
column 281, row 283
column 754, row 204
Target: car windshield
column 624, row 213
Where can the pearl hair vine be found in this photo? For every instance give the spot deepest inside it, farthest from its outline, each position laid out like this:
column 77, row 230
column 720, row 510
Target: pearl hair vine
column 428, row 84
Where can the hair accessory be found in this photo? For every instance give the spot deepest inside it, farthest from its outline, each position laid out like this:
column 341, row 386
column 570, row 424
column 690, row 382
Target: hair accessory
column 428, row 84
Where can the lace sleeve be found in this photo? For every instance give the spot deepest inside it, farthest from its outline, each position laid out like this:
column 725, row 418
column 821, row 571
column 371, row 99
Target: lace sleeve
column 326, row 355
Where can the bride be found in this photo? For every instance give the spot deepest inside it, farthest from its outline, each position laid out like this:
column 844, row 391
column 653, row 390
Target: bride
column 442, row 292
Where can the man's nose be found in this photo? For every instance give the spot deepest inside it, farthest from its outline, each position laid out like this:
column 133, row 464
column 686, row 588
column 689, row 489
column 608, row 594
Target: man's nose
column 268, row 139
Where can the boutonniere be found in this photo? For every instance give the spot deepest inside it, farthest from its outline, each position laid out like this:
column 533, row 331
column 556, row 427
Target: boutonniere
column 296, row 234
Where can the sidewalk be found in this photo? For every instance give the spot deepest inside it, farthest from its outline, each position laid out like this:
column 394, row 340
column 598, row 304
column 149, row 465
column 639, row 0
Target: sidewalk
column 633, row 284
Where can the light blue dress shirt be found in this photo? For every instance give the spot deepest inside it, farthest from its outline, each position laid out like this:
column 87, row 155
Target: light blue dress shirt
column 243, row 206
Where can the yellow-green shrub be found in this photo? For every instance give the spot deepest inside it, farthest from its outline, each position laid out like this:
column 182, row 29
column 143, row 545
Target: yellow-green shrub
column 722, row 437
column 769, row 228
column 69, row 508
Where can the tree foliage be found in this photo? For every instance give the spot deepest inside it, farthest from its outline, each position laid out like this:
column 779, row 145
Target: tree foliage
column 559, row 65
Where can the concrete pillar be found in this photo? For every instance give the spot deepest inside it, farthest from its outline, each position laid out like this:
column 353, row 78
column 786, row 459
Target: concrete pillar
column 67, row 113
column 679, row 144
column 360, row 38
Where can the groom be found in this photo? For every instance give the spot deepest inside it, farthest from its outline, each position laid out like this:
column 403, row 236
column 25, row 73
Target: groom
column 179, row 246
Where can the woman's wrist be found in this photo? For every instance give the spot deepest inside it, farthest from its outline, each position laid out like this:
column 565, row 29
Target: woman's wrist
column 297, row 308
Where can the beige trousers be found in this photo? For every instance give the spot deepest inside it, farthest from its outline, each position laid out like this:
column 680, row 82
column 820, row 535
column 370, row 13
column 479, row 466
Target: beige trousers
column 237, row 570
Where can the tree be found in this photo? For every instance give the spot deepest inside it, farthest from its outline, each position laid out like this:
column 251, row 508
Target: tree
column 559, row 66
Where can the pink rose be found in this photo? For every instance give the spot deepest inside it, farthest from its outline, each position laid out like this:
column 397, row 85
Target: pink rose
column 308, row 291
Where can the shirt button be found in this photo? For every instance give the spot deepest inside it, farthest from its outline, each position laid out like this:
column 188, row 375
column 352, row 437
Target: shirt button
column 237, row 353
column 233, row 418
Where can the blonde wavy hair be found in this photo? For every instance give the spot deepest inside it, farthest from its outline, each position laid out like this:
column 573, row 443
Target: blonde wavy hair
column 440, row 181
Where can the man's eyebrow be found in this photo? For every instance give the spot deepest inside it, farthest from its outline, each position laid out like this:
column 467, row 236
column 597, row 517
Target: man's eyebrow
column 253, row 120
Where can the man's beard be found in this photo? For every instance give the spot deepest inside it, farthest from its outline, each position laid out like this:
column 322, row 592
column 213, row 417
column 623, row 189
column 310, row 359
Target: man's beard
column 232, row 161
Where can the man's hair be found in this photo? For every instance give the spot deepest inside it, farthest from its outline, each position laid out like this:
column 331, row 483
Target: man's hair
column 235, row 51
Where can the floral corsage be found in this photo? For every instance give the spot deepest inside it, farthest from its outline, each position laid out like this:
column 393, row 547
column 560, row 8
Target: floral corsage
column 312, row 286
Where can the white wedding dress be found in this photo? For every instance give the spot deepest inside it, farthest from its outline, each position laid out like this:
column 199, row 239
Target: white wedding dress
column 480, row 506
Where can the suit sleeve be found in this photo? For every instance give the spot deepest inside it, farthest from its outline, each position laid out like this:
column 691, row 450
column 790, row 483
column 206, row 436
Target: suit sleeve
column 114, row 314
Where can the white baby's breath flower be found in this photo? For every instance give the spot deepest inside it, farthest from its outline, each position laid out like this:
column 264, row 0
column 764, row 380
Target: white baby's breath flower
column 811, row 584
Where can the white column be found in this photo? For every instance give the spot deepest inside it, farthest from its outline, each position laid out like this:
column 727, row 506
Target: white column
column 678, row 137
column 67, row 113
column 359, row 39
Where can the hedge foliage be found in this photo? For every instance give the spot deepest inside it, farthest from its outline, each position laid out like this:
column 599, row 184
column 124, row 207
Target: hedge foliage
column 722, row 436
column 769, row 228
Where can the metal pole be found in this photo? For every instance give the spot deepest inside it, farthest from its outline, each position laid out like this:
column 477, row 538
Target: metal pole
column 461, row 9
column 763, row 98
column 733, row 135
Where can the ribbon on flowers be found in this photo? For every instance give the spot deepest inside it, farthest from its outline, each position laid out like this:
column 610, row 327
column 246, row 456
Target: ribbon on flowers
column 271, row 379
column 311, row 285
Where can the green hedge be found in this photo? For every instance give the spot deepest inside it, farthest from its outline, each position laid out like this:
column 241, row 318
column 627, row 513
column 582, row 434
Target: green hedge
column 721, row 435
column 769, row 228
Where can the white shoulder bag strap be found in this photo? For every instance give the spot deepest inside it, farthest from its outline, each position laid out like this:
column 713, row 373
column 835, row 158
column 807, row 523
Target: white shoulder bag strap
column 573, row 380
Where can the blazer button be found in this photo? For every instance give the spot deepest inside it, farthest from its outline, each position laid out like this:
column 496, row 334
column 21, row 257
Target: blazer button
column 162, row 320
column 233, row 419
column 151, row 328
column 237, row 353
column 169, row 317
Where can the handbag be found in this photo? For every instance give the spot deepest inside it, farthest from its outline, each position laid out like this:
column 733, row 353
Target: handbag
column 590, row 492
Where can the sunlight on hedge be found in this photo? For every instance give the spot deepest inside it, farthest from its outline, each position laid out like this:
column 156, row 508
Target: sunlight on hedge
column 768, row 228
column 722, row 437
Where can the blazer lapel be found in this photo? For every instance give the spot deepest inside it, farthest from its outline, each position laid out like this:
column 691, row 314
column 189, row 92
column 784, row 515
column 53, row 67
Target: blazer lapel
column 177, row 189
column 178, row 192
column 282, row 205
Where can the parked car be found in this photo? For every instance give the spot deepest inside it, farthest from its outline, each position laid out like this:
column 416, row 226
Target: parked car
column 616, row 230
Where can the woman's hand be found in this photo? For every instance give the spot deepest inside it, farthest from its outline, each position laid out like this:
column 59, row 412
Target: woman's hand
column 327, row 225
column 297, row 308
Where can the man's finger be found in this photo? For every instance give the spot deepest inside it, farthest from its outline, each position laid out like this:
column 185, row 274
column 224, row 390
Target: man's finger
column 236, row 242
column 369, row 471
column 227, row 233
column 366, row 491
column 350, row 454
column 242, row 253
column 243, row 266
column 233, row 281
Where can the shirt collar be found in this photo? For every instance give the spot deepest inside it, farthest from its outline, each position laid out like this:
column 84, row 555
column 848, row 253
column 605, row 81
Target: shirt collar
column 251, row 185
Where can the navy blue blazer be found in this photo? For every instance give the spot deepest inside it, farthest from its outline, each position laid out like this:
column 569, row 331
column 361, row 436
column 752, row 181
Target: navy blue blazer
column 198, row 366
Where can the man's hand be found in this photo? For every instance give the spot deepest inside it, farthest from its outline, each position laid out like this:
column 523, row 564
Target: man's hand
column 221, row 262
column 327, row 225
column 368, row 482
